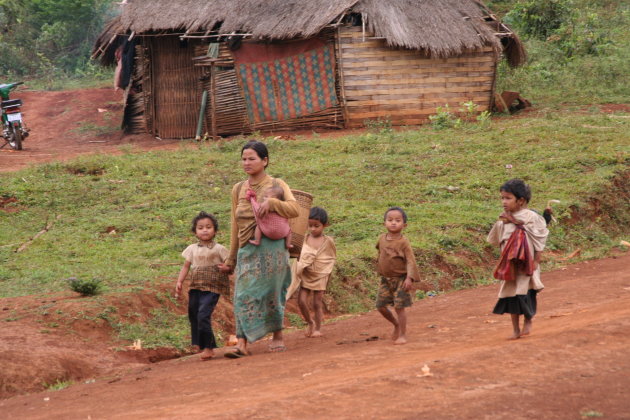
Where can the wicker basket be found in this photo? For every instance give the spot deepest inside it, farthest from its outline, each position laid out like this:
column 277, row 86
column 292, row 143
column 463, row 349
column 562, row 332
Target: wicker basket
column 299, row 224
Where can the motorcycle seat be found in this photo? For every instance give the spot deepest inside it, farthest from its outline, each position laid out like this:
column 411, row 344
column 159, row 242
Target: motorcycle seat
column 10, row 103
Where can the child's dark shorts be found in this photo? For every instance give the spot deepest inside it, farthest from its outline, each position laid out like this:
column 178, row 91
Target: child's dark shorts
column 391, row 292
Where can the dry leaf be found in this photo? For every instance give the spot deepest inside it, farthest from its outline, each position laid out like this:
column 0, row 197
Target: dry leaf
column 426, row 371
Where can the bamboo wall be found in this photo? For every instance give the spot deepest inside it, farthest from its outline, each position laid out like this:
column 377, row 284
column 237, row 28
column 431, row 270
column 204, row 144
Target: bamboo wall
column 230, row 109
column 406, row 86
column 135, row 120
column 229, row 112
column 175, row 88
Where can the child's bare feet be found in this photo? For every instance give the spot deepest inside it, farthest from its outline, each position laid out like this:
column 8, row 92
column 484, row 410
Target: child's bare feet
column 309, row 329
column 515, row 336
column 396, row 332
column 207, row 354
column 527, row 327
column 401, row 340
column 316, row 333
column 254, row 242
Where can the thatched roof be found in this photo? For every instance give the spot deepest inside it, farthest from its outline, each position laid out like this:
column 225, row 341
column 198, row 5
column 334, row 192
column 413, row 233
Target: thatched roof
column 442, row 27
column 439, row 27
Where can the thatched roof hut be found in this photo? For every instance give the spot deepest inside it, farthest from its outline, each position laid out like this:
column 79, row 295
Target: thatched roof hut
column 381, row 58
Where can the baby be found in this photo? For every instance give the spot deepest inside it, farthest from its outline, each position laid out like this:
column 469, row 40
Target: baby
column 272, row 225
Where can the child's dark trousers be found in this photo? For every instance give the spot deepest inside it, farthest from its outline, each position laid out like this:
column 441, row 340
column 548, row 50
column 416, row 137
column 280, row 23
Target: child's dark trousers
column 201, row 304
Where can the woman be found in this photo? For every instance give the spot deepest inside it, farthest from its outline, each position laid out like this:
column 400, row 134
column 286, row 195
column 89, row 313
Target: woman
column 262, row 271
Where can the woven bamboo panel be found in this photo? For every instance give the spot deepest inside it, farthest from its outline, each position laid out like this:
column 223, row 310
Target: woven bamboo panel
column 406, row 86
column 134, row 121
column 231, row 113
column 176, row 90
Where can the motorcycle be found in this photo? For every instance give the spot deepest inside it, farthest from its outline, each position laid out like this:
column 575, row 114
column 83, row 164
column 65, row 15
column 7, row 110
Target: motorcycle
column 14, row 130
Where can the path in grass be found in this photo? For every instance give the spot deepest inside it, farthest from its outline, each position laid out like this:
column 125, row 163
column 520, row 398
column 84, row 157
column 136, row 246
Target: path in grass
column 575, row 363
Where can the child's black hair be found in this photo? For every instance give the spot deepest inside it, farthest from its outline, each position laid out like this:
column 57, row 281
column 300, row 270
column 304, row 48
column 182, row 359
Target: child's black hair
column 519, row 188
column 278, row 191
column 318, row 213
column 203, row 215
column 396, row 208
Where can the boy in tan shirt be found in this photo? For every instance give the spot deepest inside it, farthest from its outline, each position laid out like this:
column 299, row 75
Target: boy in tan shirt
column 398, row 270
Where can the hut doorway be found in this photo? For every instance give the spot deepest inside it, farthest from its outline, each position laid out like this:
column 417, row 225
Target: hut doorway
column 177, row 95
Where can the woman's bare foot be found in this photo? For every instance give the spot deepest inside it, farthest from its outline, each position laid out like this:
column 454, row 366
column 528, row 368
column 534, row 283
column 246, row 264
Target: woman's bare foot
column 317, row 333
column 309, row 329
column 401, row 340
column 207, row 354
column 396, row 332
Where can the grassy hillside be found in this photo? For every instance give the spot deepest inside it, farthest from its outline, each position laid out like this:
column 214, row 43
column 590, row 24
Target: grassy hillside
column 578, row 50
column 123, row 218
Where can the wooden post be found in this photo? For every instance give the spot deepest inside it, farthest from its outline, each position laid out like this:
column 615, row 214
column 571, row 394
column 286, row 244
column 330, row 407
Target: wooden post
column 213, row 100
column 340, row 78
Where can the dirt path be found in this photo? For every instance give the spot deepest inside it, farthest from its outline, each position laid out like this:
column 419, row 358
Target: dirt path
column 575, row 364
column 65, row 124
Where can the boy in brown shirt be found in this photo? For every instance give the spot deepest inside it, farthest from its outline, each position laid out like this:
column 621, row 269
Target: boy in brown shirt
column 398, row 270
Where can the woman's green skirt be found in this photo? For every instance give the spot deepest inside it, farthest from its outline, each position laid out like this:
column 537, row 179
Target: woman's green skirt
column 263, row 275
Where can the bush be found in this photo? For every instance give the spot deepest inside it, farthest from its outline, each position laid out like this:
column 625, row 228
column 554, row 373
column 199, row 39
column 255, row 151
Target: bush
column 539, row 18
column 87, row 287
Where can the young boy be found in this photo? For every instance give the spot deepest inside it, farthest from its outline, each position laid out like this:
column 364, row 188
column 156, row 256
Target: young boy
column 314, row 268
column 398, row 270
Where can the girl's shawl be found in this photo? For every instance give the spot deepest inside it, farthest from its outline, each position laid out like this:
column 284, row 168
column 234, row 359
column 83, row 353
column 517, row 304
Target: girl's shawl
column 515, row 257
column 273, row 226
column 518, row 243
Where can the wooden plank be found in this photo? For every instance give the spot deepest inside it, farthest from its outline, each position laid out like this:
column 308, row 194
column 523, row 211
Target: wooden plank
column 411, row 108
column 407, row 114
column 350, row 62
column 380, row 52
column 442, row 96
column 418, row 65
column 358, row 123
column 403, row 89
column 456, row 71
column 417, row 101
column 375, row 80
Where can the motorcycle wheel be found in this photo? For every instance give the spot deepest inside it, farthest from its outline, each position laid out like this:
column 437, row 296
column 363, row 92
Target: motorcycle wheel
column 15, row 138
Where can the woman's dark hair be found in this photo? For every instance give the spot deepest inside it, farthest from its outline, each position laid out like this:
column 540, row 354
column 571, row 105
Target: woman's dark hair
column 404, row 215
column 519, row 188
column 259, row 147
column 318, row 213
column 203, row 215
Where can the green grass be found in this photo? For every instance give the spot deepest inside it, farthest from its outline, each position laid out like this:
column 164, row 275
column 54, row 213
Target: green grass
column 58, row 385
column 553, row 76
column 148, row 199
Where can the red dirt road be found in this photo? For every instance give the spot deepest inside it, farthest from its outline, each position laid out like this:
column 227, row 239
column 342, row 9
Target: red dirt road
column 65, row 124
column 576, row 364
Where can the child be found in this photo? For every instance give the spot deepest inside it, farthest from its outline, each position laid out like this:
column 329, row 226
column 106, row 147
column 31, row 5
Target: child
column 398, row 270
column 521, row 233
column 208, row 281
column 272, row 224
column 313, row 269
